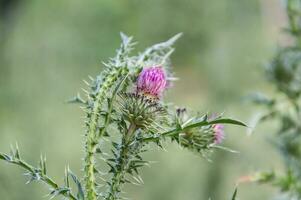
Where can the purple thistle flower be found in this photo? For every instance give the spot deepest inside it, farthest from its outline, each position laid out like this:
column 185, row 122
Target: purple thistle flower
column 152, row 81
column 219, row 133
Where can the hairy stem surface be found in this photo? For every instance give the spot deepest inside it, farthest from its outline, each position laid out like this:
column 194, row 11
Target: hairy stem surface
column 94, row 132
column 121, row 166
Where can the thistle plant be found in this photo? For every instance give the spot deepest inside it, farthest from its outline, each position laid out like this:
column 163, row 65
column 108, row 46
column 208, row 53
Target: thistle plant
column 284, row 72
column 126, row 115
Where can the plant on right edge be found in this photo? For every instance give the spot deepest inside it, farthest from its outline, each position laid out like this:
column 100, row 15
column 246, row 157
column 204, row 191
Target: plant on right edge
column 284, row 72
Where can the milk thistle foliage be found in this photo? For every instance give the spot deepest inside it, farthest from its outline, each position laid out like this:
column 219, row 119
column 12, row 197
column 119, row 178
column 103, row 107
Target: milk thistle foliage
column 284, row 72
column 125, row 109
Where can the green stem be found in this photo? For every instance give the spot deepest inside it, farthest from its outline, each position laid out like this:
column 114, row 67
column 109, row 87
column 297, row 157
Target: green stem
column 93, row 134
column 111, row 103
column 130, row 132
column 43, row 177
column 121, row 165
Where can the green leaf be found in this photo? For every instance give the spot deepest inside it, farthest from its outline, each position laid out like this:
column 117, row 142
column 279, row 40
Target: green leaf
column 228, row 121
column 77, row 99
column 66, row 178
column 17, row 153
column 217, row 121
column 126, row 40
column 58, row 191
column 201, row 123
column 80, row 191
column 172, row 40
column 5, row 157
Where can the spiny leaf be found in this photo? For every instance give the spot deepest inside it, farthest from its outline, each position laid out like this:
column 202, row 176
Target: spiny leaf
column 59, row 191
column 173, row 39
column 228, row 121
column 80, row 191
column 67, row 182
column 77, row 99
column 37, row 174
column 217, row 121
column 17, row 153
column 5, row 157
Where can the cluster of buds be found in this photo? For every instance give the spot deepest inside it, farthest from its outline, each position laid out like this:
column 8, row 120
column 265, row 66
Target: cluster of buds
column 143, row 108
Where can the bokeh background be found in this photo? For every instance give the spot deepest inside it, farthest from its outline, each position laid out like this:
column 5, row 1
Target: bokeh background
column 48, row 47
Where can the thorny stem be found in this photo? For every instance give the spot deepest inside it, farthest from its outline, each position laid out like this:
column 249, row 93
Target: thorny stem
column 93, row 133
column 121, row 165
column 110, row 105
column 43, row 177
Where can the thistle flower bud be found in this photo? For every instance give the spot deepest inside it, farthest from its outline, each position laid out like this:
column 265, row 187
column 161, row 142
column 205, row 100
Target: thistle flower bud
column 219, row 133
column 152, row 81
column 144, row 112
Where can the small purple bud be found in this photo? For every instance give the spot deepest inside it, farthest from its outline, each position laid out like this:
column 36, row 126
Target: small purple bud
column 152, row 81
column 219, row 133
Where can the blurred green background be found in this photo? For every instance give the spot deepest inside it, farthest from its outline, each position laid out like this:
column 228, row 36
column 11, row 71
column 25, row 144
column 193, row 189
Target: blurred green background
column 48, row 47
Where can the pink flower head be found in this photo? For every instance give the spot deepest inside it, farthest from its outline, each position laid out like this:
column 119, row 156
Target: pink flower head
column 219, row 133
column 152, row 81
